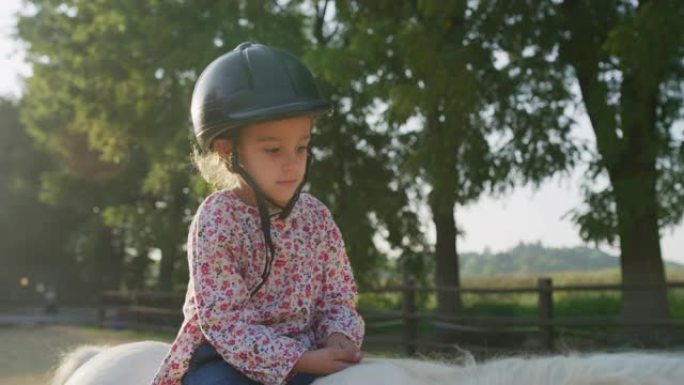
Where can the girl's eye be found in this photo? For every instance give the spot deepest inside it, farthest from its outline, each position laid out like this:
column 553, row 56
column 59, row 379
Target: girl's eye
column 272, row 150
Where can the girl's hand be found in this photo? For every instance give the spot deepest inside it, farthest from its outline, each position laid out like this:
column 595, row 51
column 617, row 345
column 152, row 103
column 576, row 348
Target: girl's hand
column 326, row 360
column 340, row 341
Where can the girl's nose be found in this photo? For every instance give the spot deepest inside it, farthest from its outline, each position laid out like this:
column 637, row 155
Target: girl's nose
column 290, row 160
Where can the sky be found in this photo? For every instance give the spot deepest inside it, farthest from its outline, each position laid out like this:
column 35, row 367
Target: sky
column 497, row 223
column 12, row 66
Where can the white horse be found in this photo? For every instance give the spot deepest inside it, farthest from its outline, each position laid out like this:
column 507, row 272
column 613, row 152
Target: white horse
column 136, row 363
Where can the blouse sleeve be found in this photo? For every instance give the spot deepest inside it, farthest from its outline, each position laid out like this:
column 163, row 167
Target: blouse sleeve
column 221, row 296
column 336, row 309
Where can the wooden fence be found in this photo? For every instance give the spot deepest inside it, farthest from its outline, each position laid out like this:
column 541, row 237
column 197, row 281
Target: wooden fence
column 545, row 325
column 161, row 311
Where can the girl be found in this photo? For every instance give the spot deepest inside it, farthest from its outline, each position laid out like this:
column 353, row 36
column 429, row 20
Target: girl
column 271, row 293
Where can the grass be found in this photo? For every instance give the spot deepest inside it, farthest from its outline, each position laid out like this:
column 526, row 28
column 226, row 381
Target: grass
column 30, row 353
column 566, row 304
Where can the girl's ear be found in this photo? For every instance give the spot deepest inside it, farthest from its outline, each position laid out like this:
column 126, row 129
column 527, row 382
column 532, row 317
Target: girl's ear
column 223, row 147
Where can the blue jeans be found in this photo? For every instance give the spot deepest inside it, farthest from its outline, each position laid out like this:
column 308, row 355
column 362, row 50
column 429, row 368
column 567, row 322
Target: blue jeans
column 207, row 367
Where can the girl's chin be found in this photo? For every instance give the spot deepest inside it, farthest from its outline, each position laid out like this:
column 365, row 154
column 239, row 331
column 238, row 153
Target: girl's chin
column 282, row 202
column 283, row 195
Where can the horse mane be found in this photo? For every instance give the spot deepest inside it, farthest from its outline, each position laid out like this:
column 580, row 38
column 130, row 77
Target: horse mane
column 636, row 368
column 71, row 361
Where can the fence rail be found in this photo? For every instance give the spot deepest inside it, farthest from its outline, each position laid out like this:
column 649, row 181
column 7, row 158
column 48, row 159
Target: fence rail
column 162, row 311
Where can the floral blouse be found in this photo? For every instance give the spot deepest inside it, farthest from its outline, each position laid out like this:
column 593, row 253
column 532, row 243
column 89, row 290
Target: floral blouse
column 309, row 294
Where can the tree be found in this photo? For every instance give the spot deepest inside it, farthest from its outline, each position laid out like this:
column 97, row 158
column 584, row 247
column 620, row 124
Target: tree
column 90, row 105
column 355, row 172
column 115, row 79
column 626, row 58
column 31, row 233
column 426, row 62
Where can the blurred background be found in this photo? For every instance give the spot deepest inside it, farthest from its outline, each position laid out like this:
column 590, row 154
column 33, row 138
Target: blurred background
column 473, row 144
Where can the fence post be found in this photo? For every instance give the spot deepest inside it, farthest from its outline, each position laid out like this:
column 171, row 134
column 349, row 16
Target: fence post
column 409, row 307
column 132, row 314
column 545, row 288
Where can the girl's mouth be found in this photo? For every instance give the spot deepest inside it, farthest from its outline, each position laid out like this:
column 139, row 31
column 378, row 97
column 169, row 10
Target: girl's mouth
column 286, row 182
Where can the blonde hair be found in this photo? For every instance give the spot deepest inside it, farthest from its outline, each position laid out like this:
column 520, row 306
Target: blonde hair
column 215, row 170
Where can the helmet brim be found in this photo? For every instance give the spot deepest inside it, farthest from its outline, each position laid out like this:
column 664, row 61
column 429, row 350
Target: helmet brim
column 314, row 108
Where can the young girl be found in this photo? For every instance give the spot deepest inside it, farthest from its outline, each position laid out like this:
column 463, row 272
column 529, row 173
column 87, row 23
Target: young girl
column 271, row 293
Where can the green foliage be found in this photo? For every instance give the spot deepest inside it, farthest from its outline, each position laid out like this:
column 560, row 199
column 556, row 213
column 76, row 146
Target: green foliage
column 626, row 58
column 109, row 98
column 109, row 101
column 460, row 123
column 32, row 234
column 676, row 301
column 384, row 301
column 524, row 308
column 435, row 102
column 588, row 305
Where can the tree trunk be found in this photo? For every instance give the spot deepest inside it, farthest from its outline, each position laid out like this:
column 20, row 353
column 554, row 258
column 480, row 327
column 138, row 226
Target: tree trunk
column 171, row 234
column 446, row 257
column 634, row 180
column 628, row 149
column 641, row 260
column 110, row 259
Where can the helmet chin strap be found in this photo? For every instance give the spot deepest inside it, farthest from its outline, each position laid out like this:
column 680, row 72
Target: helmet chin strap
column 262, row 201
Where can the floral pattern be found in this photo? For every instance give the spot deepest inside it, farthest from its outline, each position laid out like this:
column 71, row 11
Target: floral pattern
column 309, row 294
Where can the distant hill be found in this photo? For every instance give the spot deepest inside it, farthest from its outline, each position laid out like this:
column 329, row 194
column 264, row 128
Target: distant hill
column 528, row 258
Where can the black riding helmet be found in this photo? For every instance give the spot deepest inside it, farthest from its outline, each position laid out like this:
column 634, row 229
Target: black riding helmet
column 253, row 83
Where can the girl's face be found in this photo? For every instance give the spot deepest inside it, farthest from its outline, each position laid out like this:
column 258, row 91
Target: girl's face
column 274, row 153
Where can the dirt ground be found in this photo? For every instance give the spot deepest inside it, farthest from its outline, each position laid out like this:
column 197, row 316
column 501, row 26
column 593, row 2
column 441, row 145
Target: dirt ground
column 28, row 354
